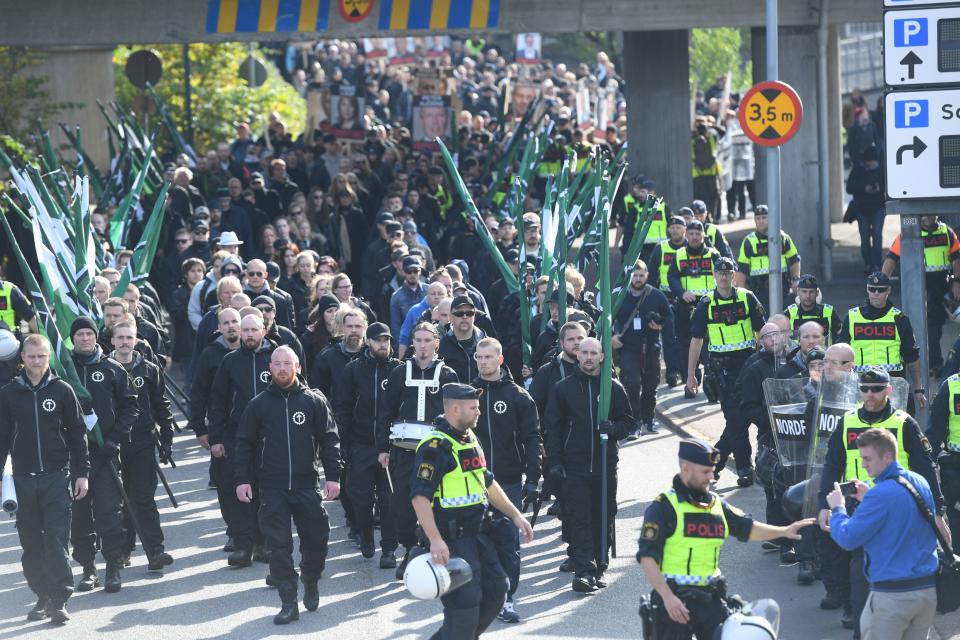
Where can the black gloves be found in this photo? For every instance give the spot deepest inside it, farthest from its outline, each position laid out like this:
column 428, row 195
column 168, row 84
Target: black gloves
column 165, row 453
column 558, row 472
column 605, row 427
column 529, row 496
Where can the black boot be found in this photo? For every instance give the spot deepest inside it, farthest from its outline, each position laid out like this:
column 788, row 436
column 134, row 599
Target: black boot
column 260, row 554
column 57, row 612
column 311, row 595
column 38, row 612
column 111, row 582
column 90, row 579
column 289, row 610
column 583, row 583
column 398, row 574
column 159, row 559
column 806, row 574
column 240, row 558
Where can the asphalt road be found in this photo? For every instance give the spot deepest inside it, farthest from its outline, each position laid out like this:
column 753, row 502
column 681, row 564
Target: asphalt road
column 201, row 597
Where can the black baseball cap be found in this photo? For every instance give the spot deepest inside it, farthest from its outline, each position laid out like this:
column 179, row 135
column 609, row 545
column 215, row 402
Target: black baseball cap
column 695, row 225
column 462, row 301
column 724, row 264
column 808, row 281
column 878, row 279
column 411, row 262
column 875, row 376
column 384, row 217
column 460, row 391
column 699, row 207
column 267, row 300
column 677, row 220
column 698, row 452
column 377, row 330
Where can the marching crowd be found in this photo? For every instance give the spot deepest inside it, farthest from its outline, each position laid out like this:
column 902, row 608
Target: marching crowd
column 341, row 313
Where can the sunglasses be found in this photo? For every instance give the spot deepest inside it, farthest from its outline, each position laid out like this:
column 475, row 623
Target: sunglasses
column 872, row 388
column 464, row 314
column 878, row 289
column 231, row 272
column 265, row 309
column 255, row 274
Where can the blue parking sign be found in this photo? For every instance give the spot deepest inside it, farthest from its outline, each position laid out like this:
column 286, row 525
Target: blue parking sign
column 911, row 114
column 910, row 32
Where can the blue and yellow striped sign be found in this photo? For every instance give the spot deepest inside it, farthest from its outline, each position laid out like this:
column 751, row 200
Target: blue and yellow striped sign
column 267, row 16
column 439, row 14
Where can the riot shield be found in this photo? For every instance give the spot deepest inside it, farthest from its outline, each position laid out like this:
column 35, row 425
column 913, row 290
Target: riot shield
column 839, row 393
column 788, row 403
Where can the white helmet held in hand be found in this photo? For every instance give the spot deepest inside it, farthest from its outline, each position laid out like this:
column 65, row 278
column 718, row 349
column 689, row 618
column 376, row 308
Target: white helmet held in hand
column 427, row 580
column 9, row 345
column 758, row 620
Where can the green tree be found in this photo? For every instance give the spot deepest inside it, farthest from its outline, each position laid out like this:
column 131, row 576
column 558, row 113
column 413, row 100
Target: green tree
column 714, row 52
column 219, row 98
column 24, row 97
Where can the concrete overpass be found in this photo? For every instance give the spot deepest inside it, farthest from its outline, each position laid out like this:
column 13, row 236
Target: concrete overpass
column 80, row 37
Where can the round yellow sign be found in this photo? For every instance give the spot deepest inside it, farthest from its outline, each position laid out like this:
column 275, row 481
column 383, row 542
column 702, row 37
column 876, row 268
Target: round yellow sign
column 770, row 113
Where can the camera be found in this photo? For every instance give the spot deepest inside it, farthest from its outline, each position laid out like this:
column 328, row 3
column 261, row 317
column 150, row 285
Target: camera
column 656, row 318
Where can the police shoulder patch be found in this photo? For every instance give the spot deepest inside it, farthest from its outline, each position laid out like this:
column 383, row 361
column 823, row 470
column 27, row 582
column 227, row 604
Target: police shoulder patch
column 650, row 531
column 426, row 471
column 434, row 443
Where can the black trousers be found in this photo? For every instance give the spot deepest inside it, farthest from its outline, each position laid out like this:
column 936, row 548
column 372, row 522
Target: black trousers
column 640, row 375
column 707, row 613
column 368, row 481
column 305, row 507
column 735, row 438
column 404, row 517
column 100, row 513
column 469, row 610
column 139, row 473
column 241, row 517
column 859, row 588
column 581, row 514
column 43, row 524
column 834, row 567
column 736, row 198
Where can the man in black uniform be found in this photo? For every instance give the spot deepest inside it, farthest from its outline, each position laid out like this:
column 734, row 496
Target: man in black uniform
column 558, row 367
column 43, row 432
column 329, row 364
column 356, row 405
column 572, row 438
column 137, row 455
column 100, row 513
column 450, row 494
column 277, row 333
column 459, row 343
column 682, row 563
column 728, row 318
column 843, row 463
column 302, row 434
column 509, row 432
column 241, row 376
column 411, row 400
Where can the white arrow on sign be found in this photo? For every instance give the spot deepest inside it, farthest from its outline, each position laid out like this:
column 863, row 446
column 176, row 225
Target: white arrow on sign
column 923, row 144
column 920, row 46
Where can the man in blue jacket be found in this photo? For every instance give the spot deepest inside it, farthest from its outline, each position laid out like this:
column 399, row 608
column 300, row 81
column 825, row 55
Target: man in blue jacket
column 899, row 544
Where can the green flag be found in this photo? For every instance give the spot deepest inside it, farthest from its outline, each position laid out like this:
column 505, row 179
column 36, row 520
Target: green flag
column 146, row 250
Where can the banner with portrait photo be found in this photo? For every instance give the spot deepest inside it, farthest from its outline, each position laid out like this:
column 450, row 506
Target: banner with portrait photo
column 431, row 119
column 528, row 48
column 434, row 50
column 522, row 95
column 318, row 111
column 401, row 51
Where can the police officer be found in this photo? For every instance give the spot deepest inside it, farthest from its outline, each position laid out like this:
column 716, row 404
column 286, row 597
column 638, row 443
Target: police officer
column 356, row 405
column 941, row 264
column 450, row 492
column 944, row 436
column 242, row 374
column 572, row 437
column 714, row 237
column 641, row 188
column 682, row 563
column 412, row 400
column 43, row 433
column 9, row 356
column 99, row 514
column 137, row 457
column 661, row 258
column 842, row 463
column 459, row 344
column 509, row 432
column 728, row 318
column 299, row 426
column 807, row 309
column 636, row 337
column 14, row 308
column 691, row 278
column 754, row 261
column 882, row 337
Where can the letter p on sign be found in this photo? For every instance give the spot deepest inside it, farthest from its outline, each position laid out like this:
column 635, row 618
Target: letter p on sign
column 910, row 32
column 911, row 114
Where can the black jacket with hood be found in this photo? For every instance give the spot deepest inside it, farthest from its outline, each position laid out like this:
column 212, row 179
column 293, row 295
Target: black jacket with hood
column 242, row 374
column 509, row 430
column 114, row 398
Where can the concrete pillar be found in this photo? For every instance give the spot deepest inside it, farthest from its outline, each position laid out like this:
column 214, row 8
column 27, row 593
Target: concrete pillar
column 657, row 71
column 835, row 101
column 798, row 168
column 81, row 76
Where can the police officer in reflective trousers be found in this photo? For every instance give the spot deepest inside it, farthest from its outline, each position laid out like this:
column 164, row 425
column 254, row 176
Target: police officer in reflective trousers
column 451, row 491
column 679, row 551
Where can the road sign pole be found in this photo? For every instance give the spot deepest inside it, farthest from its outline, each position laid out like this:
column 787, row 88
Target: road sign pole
column 913, row 291
column 775, row 278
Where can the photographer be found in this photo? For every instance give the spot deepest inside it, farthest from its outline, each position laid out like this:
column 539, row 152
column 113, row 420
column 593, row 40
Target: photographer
column 644, row 313
column 899, row 545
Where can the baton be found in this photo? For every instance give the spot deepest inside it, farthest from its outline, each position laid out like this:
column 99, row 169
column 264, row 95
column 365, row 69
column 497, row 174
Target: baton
column 183, row 409
column 389, row 479
column 166, row 487
column 126, row 499
column 176, row 387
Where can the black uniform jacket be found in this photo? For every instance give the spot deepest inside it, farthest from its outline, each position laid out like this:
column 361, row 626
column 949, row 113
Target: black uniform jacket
column 152, row 401
column 241, row 376
column 42, row 428
column 570, row 424
column 357, row 400
column 204, row 371
column 114, row 398
column 509, row 430
column 290, row 429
